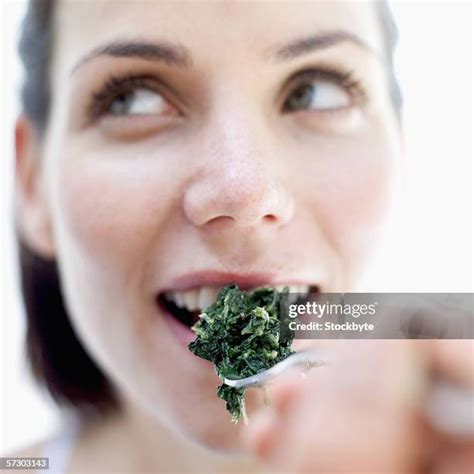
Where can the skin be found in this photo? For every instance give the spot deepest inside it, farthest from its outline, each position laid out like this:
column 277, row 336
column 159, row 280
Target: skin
column 220, row 179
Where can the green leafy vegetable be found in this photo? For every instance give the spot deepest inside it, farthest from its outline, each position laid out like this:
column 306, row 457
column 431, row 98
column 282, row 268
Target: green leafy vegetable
column 240, row 333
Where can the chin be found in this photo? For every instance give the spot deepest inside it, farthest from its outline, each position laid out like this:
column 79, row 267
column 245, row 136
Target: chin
column 208, row 429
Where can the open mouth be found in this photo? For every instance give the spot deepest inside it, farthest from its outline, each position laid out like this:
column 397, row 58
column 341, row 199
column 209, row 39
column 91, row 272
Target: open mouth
column 186, row 306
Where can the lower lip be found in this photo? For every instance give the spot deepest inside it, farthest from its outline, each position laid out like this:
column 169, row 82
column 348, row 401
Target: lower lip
column 183, row 333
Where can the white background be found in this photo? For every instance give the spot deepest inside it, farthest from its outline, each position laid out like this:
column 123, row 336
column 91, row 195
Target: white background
column 430, row 244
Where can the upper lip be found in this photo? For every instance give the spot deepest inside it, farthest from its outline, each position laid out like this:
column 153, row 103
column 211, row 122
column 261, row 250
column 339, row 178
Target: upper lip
column 218, row 278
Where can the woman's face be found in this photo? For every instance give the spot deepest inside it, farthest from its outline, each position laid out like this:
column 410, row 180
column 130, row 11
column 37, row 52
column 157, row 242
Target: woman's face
column 196, row 144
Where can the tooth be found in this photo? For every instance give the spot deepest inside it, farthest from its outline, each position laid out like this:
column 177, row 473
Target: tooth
column 305, row 289
column 178, row 298
column 294, row 288
column 207, row 296
column 191, row 300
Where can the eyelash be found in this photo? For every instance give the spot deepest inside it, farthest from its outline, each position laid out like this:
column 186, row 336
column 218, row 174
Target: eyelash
column 116, row 85
column 345, row 79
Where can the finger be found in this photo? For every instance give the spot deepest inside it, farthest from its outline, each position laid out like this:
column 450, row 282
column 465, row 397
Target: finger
column 454, row 359
column 333, row 433
column 284, row 392
column 343, row 418
column 257, row 436
column 394, row 370
column 455, row 459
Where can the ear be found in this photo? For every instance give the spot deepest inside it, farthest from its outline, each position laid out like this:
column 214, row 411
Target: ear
column 31, row 210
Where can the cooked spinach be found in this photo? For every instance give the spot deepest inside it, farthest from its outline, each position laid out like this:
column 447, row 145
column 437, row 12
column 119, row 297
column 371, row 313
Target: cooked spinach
column 240, row 333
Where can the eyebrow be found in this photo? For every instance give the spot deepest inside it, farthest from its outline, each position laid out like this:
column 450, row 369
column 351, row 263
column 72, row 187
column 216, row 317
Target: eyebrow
column 309, row 44
column 177, row 55
column 168, row 53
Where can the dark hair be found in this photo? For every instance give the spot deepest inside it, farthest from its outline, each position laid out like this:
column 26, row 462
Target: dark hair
column 56, row 357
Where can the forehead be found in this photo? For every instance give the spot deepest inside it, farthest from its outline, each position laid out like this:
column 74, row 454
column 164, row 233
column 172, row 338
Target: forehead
column 209, row 29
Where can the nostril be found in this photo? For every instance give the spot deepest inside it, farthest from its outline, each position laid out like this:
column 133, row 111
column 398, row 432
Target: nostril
column 219, row 219
column 233, row 201
column 270, row 218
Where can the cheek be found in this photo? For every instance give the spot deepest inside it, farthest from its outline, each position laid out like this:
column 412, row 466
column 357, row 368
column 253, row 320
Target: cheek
column 111, row 209
column 108, row 213
column 360, row 196
column 353, row 193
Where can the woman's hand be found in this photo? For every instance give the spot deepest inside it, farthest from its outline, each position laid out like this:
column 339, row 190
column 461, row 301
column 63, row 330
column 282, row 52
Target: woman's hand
column 364, row 413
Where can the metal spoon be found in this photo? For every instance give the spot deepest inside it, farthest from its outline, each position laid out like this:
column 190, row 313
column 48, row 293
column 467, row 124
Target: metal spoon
column 448, row 407
column 304, row 359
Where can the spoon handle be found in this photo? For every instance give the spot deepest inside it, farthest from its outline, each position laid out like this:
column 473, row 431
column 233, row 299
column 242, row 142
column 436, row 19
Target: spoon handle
column 448, row 407
column 304, row 359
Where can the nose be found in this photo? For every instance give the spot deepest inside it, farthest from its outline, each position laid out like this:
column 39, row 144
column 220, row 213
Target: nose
column 238, row 185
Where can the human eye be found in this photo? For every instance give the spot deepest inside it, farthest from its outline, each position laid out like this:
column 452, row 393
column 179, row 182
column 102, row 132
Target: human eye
column 132, row 107
column 140, row 101
column 131, row 96
column 323, row 90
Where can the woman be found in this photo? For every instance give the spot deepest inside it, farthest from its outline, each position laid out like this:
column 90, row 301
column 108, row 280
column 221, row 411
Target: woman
column 168, row 149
